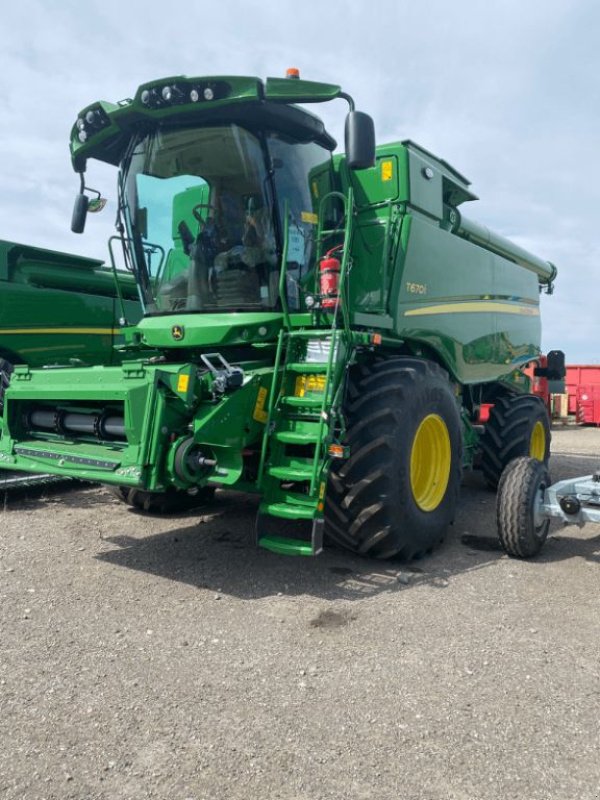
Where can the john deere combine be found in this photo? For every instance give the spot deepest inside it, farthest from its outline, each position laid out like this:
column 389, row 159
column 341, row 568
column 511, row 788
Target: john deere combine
column 57, row 307
column 321, row 330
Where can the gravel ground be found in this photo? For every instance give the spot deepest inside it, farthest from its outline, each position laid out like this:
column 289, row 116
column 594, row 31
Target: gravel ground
column 168, row 658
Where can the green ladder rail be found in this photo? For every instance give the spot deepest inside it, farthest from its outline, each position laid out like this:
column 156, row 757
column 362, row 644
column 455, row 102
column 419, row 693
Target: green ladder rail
column 304, row 420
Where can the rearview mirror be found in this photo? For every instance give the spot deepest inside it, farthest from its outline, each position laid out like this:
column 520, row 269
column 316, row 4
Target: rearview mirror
column 96, row 204
column 360, row 140
column 80, row 210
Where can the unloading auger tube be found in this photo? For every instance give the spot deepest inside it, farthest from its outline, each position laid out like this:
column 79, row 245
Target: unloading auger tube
column 480, row 234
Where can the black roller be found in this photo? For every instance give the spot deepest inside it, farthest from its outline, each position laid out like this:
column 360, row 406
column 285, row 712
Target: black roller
column 112, row 427
column 42, row 418
column 102, row 426
column 78, row 423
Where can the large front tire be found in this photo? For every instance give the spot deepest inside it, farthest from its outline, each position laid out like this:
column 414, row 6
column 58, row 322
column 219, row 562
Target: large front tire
column 518, row 426
column 171, row 501
column 396, row 494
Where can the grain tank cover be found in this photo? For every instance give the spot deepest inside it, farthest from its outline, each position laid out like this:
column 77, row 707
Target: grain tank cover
column 439, row 177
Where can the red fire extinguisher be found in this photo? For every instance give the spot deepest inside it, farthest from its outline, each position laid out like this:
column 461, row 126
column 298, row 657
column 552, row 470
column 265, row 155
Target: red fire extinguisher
column 329, row 278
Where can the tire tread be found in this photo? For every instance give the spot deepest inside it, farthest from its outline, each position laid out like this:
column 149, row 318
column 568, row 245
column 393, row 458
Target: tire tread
column 361, row 500
column 518, row 486
column 507, row 432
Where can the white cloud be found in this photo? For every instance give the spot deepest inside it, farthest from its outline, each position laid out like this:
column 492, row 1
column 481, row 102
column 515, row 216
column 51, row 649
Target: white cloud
column 507, row 92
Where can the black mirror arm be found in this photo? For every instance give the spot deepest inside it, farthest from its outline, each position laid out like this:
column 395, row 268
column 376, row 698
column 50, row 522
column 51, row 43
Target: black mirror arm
column 348, row 99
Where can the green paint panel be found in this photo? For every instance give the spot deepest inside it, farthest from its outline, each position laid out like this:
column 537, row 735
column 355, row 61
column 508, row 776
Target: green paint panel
column 56, row 307
column 455, row 297
column 202, row 330
column 286, row 90
column 379, row 183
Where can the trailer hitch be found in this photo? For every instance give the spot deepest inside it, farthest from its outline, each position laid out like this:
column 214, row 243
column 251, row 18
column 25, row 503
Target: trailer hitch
column 225, row 377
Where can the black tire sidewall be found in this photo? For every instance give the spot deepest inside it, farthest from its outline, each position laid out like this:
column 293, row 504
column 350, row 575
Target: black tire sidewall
column 171, row 501
column 370, row 507
column 508, row 434
column 517, row 494
column 536, row 537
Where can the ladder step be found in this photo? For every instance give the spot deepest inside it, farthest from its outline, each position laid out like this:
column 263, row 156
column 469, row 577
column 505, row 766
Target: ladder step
column 286, row 547
column 307, row 366
column 288, row 510
column 289, row 473
column 296, row 437
column 307, row 401
column 296, row 537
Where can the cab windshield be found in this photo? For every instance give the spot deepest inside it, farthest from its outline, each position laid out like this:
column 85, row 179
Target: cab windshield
column 205, row 211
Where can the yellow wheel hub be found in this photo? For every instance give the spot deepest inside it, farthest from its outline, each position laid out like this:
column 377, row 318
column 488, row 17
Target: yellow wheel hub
column 537, row 442
column 430, row 461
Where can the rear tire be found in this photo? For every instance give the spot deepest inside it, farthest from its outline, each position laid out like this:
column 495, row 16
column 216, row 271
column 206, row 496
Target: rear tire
column 397, row 492
column 521, row 533
column 518, row 426
column 168, row 502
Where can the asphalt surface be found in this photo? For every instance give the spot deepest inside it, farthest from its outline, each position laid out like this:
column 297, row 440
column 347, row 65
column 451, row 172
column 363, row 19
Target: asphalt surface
column 145, row 657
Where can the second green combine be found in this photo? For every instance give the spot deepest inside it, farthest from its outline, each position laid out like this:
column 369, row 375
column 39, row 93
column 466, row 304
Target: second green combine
column 58, row 309
column 322, row 330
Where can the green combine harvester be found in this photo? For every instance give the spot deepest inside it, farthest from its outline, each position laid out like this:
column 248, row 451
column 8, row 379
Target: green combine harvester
column 322, row 330
column 57, row 308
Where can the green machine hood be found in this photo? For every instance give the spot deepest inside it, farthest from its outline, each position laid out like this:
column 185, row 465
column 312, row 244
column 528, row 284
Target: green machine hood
column 175, row 331
column 103, row 130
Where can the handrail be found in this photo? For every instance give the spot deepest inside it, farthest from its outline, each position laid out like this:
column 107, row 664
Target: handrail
column 116, row 278
column 348, row 204
column 324, row 415
column 337, row 335
column 271, row 406
column 283, row 272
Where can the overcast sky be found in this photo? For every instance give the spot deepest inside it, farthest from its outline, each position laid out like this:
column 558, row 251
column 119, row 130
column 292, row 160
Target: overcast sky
column 507, row 92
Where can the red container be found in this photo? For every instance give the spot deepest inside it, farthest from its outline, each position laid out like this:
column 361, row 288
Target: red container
column 582, row 383
column 588, row 405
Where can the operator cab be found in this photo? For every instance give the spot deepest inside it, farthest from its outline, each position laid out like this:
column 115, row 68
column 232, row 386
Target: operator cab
column 220, row 184
column 206, row 209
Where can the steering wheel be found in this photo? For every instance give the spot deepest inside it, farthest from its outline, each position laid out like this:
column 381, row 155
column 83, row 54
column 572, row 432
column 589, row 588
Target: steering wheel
column 198, row 216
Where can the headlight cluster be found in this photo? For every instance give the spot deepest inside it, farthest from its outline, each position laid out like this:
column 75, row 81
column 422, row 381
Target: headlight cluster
column 172, row 94
column 90, row 121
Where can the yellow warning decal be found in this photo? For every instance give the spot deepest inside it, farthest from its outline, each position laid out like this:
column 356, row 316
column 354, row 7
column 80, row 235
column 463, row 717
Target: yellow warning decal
column 308, row 216
column 183, row 382
column 387, row 170
column 259, row 413
column 322, row 491
column 315, row 188
column 309, row 383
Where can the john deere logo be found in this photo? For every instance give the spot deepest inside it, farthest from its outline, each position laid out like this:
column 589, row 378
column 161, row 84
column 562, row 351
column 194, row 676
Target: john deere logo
column 178, row 332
